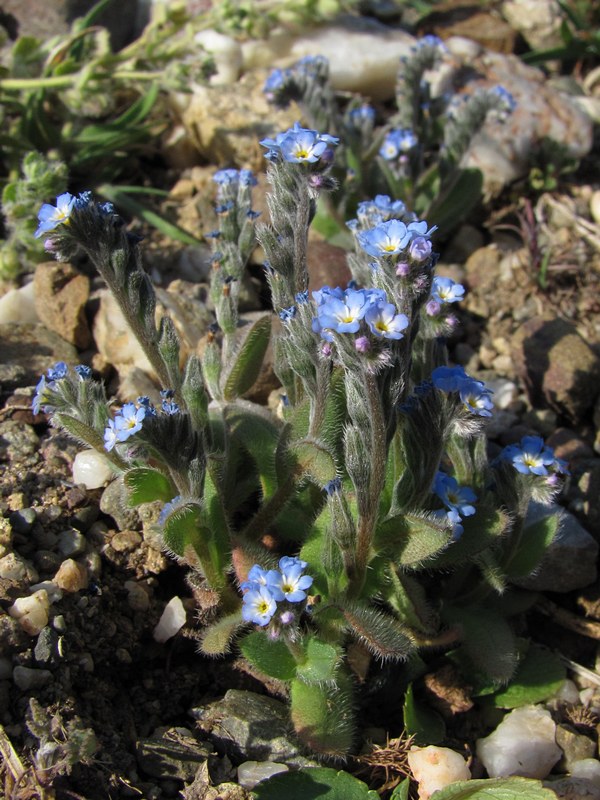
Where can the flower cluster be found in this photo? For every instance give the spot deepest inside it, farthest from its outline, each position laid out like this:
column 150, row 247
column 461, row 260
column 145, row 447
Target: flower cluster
column 397, row 143
column 473, row 393
column 300, row 145
column 47, row 384
column 342, row 311
column 265, row 588
column 457, row 499
column 533, row 457
column 284, row 85
column 394, row 237
column 125, row 424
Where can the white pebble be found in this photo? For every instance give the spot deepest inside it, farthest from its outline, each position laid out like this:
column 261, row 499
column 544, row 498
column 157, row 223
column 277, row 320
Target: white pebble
column 435, row 767
column 18, row 305
column 588, row 768
column 15, row 568
column 226, row 53
column 523, row 744
column 568, row 693
column 172, row 620
column 252, row 772
column 53, row 591
column 91, row 469
column 31, row 612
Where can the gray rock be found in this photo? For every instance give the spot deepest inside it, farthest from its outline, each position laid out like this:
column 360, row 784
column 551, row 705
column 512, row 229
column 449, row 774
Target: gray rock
column 114, row 502
column 570, row 561
column 46, row 648
column 47, row 560
column 84, row 517
column 71, row 543
column 559, row 369
column 171, row 752
column 251, row 726
column 252, row 772
column 22, row 520
column 18, row 440
column 26, row 678
column 575, row 747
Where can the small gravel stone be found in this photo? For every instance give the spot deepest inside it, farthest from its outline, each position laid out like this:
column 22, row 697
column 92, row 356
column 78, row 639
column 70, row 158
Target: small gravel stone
column 47, row 560
column 252, row 772
column 523, row 744
column 137, row 597
column 71, row 542
column 15, row 568
column 71, row 576
column 59, row 623
column 46, row 648
column 125, row 541
column 91, row 469
column 84, row 518
column 26, row 678
column 436, row 767
column 172, row 620
column 588, row 768
column 86, row 662
column 22, row 520
column 31, row 612
column 52, row 590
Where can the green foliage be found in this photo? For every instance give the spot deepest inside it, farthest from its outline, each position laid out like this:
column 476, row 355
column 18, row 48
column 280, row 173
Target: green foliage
column 323, row 716
column 147, row 485
column 422, row 722
column 243, row 371
column 270, row 656
column 216, row 638
column 539, row 676
column 534, row 542
column 321, row 782
column 495, row 789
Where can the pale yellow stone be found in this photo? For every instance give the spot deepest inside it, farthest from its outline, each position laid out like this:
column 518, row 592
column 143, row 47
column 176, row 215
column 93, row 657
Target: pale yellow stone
column 31, row 611
column 71, row 576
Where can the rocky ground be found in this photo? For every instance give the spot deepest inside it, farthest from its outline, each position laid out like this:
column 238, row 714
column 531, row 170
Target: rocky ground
column 91, row 704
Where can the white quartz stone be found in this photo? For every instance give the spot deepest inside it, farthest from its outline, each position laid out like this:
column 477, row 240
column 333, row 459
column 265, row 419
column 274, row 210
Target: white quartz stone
column 252, row 772
column 31, row 612
column 172, row 620
column 92, row 469
column 226, row 53
column 435, row 767
column 17, row 305
column 523, row 744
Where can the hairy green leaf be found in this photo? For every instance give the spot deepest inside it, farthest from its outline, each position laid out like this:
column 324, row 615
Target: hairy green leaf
column 146, row 485
column 216, row 638
column 323, row 716
column 315, row 459
column 381, row 634
column 270, row 656
column 321, row 662
column 244, row 370
column 535, row 540
column 538, row 677
column 488, row 641
column 313, row 782
column 495, row 789
column 417, row 539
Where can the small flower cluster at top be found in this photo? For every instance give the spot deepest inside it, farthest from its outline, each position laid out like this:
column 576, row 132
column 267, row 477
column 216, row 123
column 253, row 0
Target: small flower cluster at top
column 342, row 311
column 533, row 457
column 382, row 208
column 265, row 588
column 473, row 393
column 47, row 383
column 392, row 238
column 398, row 144
column 300, row 146
column 129, row 420
column 285, row 85
column 50, row 217
column 457, row 499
